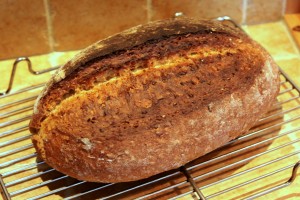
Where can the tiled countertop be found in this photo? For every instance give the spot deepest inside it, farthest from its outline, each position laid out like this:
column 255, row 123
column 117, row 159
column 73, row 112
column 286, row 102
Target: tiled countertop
column 275, row 37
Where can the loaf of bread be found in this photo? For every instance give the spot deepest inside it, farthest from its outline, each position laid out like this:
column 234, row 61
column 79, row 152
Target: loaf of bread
column 151, row 99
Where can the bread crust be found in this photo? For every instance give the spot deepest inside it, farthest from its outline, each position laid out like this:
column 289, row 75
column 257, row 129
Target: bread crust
column 133, row 37
column 157, row 117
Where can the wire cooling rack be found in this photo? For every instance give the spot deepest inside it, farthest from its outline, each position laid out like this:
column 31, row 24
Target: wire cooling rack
column 260, row 162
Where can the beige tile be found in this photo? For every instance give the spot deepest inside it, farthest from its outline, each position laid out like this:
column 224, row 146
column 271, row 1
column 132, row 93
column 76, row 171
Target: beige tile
column 23, row 28
column 275, row 38
column 259, row 11
column 77, row 24
column 197, row 9
column 292, row 68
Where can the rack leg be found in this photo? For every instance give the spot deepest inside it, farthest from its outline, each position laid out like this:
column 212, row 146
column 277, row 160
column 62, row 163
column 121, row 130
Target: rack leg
column 3, row 189
column 192, row 182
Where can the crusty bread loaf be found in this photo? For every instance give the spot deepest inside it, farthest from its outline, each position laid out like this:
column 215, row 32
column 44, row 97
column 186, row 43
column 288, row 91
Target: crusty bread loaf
column 151, row 99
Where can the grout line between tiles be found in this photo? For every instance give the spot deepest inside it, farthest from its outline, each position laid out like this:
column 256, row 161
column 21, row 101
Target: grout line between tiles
column 49, row 25
column 293, row 137
column 149, row 10
column 283, row 7
column 286, row 57
column 244, row 11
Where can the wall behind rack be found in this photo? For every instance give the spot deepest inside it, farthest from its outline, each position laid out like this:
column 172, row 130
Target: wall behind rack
column 32, row 27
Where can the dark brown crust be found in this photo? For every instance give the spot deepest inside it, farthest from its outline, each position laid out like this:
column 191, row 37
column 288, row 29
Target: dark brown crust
column 160, row 118
column 130, row 38
column 140, row 34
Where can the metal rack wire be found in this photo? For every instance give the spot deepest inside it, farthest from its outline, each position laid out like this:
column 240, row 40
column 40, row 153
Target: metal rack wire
column 260, row 162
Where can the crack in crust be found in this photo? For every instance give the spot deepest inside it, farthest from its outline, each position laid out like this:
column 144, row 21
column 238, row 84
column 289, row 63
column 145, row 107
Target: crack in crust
column 128, row 39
